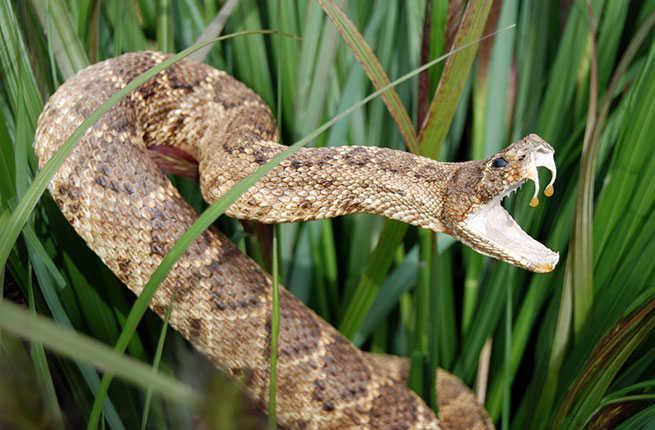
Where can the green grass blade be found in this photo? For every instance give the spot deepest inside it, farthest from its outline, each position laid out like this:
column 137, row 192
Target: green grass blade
column 22, row 150
column 607, row 359
column 499, row 73
column 15, row 66
column 51, row 54
column 373, row 69
column 308, row 50
column 299, row 279
column 443, row 105
column 318, row 285
column 7, row 167
column 635, row 387
column 614, row 17
column 155, row 366
column 329, row 259
column 82, row 17
column 48, row 290
column 613, row 200
column 507, row 352
column 123, row 18
column 561, row 89
column 147, row 12
column 41, row 364
column 642, row 420
column 66, row 46
column 286, row 54
column 400, row 281
column 77, row 347
column 164, row 26
column 423, row 369
column 41, row 254
column 275, row 332
column 581, row 268
column 532, row 42
column 370, row 282
column 446, row 311
column 558, row 351
column 313, row 90
column 186, row 14
column 213, row 30
column 253, row 67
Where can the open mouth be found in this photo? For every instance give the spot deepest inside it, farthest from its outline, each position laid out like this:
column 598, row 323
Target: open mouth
column 492, row 231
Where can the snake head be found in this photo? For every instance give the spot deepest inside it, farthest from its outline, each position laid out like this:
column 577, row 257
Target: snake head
column 473, row 210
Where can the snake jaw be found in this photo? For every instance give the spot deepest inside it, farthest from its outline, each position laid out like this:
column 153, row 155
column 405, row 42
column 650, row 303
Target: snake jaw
column 491, row 230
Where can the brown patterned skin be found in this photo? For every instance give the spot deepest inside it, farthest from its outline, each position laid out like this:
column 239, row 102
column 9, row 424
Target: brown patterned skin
column 458, row 407
column 128, row 212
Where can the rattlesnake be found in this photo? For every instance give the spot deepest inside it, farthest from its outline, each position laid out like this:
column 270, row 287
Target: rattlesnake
column 127, row 211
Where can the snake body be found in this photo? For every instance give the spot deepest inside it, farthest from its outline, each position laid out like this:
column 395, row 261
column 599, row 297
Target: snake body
column 116, row 197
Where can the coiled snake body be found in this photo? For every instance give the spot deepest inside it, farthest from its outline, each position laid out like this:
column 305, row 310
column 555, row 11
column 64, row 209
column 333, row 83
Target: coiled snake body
column 119, row 201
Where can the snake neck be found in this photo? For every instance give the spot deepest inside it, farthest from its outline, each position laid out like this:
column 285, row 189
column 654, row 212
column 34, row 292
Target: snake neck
column 319, row 183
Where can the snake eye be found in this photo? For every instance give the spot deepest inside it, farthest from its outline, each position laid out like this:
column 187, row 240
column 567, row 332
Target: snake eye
column 499, row 162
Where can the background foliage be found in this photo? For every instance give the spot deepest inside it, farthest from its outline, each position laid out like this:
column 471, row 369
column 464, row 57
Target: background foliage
column 563, row 350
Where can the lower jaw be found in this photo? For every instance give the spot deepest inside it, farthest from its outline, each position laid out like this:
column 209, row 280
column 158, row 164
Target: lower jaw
column 484, row 233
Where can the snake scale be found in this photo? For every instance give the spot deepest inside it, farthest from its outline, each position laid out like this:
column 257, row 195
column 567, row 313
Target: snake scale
column 117, row 198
